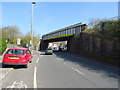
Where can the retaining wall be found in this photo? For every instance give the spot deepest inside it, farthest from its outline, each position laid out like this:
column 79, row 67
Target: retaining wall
column 100, row 48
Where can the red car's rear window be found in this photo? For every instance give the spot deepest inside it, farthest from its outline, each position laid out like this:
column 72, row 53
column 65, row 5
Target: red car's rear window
column 15, row 51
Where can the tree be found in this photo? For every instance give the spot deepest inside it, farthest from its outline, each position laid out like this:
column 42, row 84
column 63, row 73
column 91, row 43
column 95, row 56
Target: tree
column 106, row 28
column 26, row 39
column 10, row 33
column 94, row 21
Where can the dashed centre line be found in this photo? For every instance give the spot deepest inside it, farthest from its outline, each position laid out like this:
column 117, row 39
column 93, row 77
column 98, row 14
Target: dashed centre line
column 37, row 60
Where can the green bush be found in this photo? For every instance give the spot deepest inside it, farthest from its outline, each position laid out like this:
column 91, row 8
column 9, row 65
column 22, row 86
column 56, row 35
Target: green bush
column 3, row 45
column 25, row 40
column 89, row 30
column 109, row 28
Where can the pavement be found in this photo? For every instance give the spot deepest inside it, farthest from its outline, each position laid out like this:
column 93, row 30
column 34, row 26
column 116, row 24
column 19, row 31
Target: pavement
column 61, row 70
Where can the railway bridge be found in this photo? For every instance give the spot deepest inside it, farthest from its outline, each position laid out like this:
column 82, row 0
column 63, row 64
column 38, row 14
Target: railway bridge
column 63, row 34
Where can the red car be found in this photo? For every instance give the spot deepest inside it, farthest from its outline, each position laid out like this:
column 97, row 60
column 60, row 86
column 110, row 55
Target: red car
column 17, row 56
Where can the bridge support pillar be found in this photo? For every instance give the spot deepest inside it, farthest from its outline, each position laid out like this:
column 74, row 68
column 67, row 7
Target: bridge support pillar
column 73, row 45
column 70, row 44
column 43, row 45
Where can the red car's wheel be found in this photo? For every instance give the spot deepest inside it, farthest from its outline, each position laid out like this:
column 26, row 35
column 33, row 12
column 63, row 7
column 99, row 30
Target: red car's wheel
column 3, row 65
column 26, row 66
column 30, row 61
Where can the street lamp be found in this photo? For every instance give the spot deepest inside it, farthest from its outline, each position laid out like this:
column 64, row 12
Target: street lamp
column 32, row 24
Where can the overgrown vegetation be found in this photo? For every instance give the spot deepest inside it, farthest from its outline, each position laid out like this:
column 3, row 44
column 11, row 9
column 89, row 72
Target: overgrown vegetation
column 107, row 28
column 3, row 45
column 66, row 35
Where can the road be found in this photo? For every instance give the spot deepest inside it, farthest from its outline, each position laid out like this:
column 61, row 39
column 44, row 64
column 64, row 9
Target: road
column 62, row 70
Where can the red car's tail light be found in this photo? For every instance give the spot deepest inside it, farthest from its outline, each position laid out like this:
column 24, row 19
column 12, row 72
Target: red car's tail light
column 5, row 56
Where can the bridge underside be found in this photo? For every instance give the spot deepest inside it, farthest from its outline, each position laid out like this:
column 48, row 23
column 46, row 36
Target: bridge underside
column 44, row 43
column 58, row 39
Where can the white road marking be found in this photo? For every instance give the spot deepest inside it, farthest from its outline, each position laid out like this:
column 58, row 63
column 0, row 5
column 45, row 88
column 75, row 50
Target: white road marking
column 74, row 69
column 37, row 60
column 78, row 71
column 2, row 69
column 35, row 80
column 17, row 85
column 58, row 58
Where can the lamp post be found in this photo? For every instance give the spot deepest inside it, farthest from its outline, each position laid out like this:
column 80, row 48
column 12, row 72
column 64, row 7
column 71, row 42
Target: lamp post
column 32, row 24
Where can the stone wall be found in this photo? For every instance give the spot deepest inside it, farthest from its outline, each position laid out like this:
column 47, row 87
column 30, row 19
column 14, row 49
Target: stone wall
column 100, row 48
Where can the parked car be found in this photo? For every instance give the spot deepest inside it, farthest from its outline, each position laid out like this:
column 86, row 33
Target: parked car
column 17, row 56
column 48, row 51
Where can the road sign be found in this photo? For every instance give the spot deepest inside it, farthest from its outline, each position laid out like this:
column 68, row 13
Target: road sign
column 18, row 41
column 30, row 42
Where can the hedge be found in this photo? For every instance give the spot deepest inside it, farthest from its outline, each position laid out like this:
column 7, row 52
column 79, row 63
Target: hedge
column 3, row 45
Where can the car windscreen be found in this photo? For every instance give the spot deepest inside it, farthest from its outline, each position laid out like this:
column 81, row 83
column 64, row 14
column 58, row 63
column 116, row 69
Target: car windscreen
column 15, row 51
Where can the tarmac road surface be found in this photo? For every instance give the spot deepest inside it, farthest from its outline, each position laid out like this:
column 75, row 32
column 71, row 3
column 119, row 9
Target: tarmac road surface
column 61, row 70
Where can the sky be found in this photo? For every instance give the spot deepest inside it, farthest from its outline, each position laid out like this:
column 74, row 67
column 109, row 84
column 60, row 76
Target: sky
column 51, row 16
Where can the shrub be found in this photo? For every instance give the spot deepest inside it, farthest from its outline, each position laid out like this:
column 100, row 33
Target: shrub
column 3, row 45
column 108, row 28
